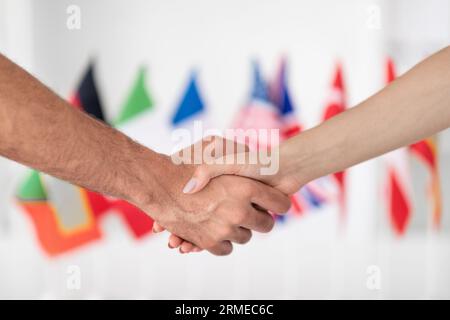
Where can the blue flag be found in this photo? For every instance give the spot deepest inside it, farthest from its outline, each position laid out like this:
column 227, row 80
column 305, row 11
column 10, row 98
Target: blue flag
column 190, row 104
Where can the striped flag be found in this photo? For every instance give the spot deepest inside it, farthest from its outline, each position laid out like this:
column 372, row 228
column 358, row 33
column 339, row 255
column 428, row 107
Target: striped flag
column 317, row 192
column 258, row 113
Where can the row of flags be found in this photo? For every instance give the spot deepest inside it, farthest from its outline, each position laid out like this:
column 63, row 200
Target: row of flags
column 67, row 217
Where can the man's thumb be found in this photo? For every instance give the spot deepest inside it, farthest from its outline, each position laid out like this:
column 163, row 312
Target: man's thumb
column 204, row 173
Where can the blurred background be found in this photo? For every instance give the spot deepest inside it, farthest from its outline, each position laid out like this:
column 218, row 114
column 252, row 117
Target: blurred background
column 158, row 57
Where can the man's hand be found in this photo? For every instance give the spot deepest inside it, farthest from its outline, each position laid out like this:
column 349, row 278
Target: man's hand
column 223, row 212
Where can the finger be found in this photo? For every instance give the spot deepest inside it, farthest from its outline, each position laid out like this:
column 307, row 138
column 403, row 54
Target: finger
column 157, row 227
column 271, row 199
column 192, row 248
column 195, row 249
column 217, row 146
column 258, row 220
column 241, row 235
column 186, row 247
column 174, row 241
column 222, row 249
column 205, row 172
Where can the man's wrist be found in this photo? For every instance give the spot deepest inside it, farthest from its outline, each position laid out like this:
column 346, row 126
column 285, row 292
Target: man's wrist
column 160, row 180
column 138, row 174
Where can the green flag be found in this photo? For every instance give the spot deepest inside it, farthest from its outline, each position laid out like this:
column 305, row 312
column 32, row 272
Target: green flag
column 32, row 188
column 138, row 100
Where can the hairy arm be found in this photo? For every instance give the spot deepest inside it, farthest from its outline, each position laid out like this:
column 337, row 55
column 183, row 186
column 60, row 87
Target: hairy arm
column 41, row 130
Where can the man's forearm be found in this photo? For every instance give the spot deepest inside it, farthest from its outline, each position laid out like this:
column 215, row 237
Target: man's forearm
column 413, row 107
column 41, row 130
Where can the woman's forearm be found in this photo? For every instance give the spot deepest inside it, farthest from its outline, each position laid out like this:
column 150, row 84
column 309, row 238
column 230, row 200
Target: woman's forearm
column 413, row 107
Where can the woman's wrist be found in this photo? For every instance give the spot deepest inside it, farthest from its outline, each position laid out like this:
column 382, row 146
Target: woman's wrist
column 294, row 171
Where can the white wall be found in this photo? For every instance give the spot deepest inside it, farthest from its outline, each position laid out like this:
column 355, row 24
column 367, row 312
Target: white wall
column 304, row 258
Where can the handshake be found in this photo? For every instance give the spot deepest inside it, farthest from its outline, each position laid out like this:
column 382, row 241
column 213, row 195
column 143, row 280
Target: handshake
column 212, row 204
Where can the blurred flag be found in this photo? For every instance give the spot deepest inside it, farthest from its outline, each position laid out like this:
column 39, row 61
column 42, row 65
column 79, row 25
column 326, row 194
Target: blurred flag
column 317, row 192
column 398, row 178
column 426, row 151
column 258, row 116
column 336, row 104
column 137, row 102
column 66, row 216
column 279, row 94
column 86, row 98
column 191, row 105
column 190, row 121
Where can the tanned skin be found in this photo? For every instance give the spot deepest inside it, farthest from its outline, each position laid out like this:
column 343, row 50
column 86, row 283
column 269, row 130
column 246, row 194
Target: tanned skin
column 41, row 130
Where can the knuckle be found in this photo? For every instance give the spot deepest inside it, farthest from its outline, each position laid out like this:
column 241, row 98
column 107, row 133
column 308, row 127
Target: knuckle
column 286, row 205
column 238, row 217
column 202, row 171
column 222, row 249
column 208, row 243
column 223, row 233
column 247, row 190
column 227, row 249
column 268, row 225
column 245, row 237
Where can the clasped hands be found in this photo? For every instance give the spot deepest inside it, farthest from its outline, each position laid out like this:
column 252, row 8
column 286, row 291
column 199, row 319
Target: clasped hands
column 212, row 206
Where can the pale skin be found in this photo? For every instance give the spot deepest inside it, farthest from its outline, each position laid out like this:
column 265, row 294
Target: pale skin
column 41, row 130
column 413, row 107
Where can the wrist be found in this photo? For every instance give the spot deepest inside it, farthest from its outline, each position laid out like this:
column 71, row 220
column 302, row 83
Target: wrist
column 160, row 181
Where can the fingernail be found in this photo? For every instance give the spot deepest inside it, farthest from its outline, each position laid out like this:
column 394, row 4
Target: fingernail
column 181, row 250
column 190, row 185
column 169, row 245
